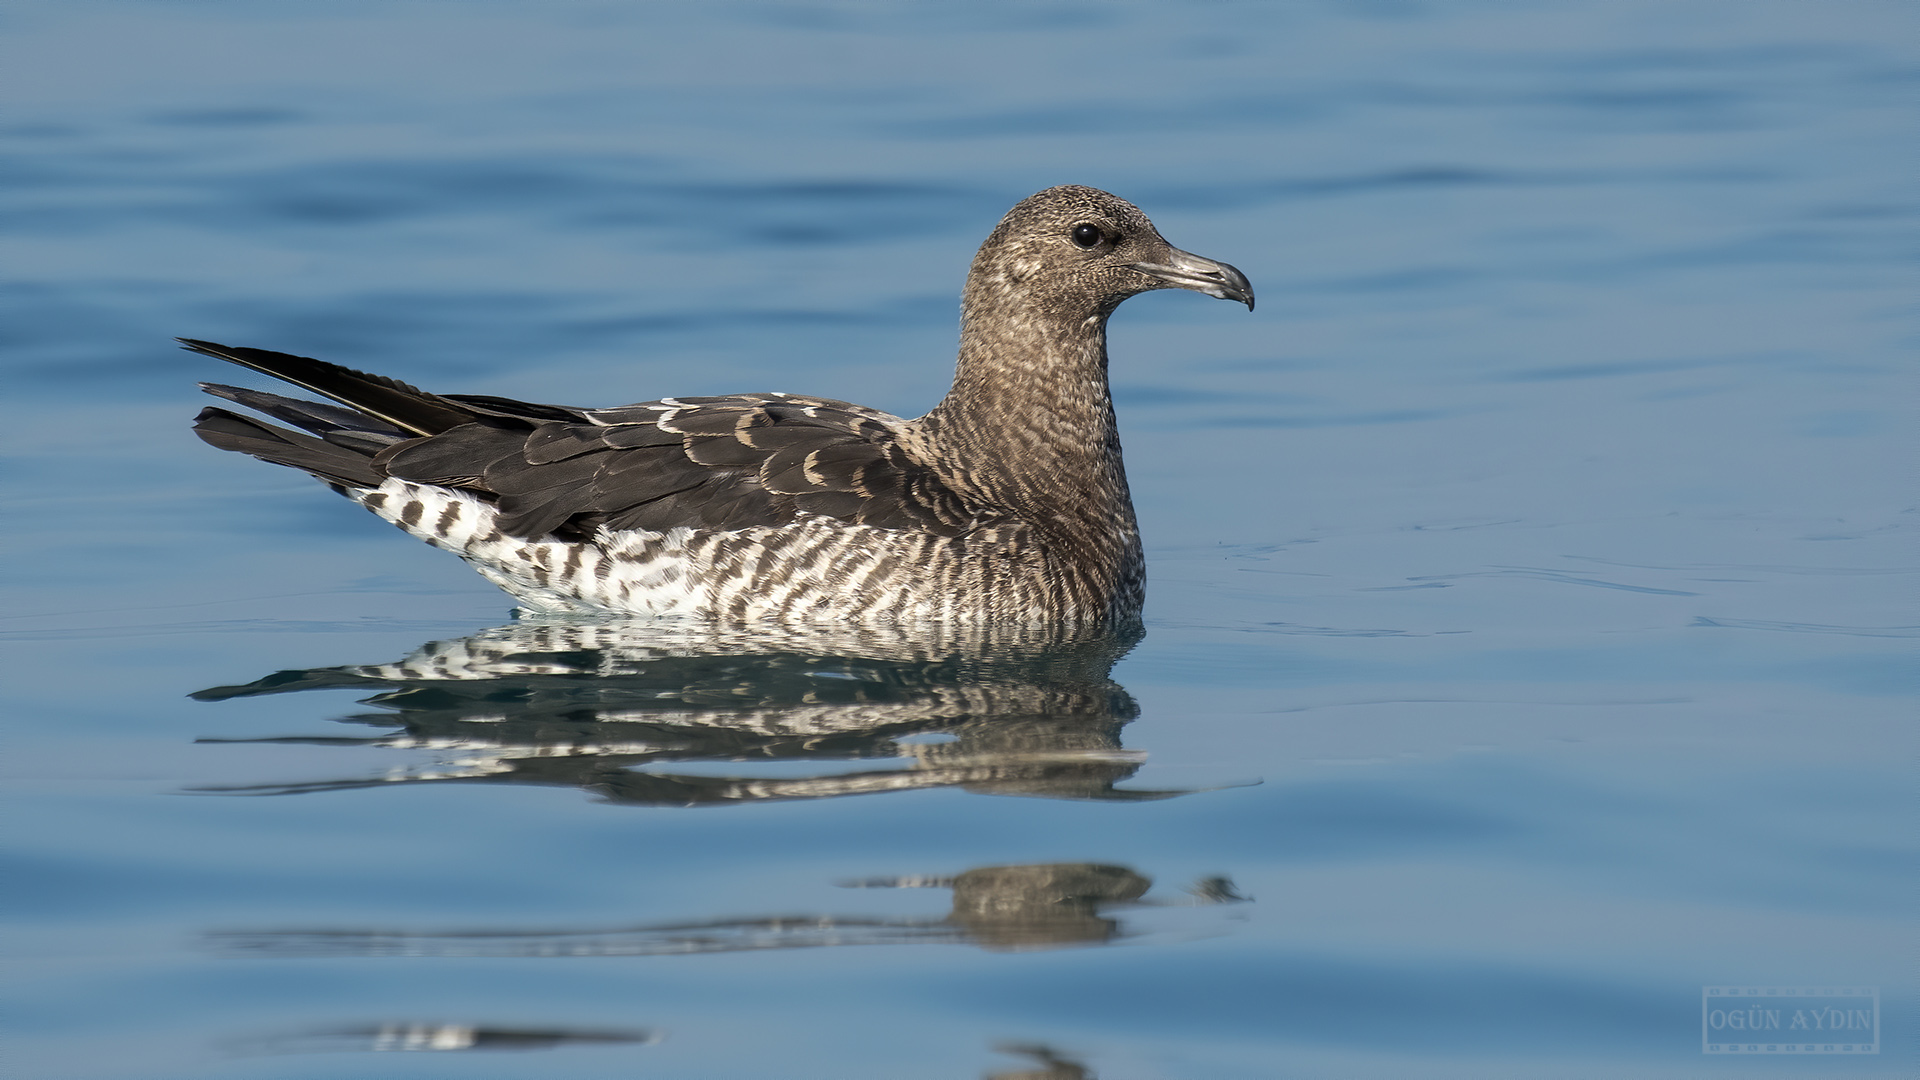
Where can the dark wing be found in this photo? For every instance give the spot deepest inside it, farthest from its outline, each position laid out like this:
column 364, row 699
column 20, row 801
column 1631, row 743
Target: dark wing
column 704, row 463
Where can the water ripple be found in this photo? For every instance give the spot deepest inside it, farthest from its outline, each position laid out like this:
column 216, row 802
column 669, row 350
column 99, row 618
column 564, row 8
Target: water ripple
column 1809, row 628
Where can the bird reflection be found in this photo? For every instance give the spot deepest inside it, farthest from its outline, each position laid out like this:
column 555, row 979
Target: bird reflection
column 998, row 908
column 1053, row 1066
column 643, row 712
column 437, row 1037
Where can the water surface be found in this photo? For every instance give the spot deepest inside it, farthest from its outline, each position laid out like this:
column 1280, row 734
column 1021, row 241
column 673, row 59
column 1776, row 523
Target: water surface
column 1531, row 610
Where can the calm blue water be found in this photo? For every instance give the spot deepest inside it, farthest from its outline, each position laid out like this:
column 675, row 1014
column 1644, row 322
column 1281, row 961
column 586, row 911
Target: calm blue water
column 1531, row 629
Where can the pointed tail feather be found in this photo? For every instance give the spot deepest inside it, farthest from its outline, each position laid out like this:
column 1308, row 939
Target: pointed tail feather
column 231, row 431
column 313, row 416
column 407, row 408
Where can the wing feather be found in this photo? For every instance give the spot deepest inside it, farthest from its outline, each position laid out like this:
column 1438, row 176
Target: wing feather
column 456, row 456
column 624, row 436
column 722, row 463
column 722, row 451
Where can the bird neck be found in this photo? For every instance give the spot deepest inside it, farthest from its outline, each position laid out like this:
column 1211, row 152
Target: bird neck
column 1029, row 422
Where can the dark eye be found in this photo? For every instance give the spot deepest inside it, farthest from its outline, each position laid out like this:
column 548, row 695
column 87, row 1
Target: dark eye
column 1088, row 236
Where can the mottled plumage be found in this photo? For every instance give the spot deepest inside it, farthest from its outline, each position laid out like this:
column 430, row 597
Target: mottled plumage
column 1007, row 502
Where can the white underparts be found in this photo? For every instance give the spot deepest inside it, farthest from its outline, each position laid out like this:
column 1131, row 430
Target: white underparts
column 807, row 571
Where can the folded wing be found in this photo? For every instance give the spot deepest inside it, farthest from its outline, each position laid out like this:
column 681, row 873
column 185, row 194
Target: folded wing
column 718, row 463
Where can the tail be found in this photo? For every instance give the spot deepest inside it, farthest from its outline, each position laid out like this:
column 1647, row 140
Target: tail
column 404, row 407
column 340, row 444
column 330, row 462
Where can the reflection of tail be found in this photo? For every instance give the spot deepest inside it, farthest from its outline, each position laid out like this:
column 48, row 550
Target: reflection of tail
column 614, row 707
column 1058, row 777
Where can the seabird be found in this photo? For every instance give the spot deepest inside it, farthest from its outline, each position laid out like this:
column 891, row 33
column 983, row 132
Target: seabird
column 1007, row 503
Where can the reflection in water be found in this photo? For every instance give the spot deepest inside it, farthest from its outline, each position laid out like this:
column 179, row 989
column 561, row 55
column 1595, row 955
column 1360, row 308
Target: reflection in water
column 623, row 708
column 999, row 908
column 441, row 1037
column 1052, row 1065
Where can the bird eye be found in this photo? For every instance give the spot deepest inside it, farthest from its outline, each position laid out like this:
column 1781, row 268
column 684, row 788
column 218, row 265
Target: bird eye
column 1088, row 236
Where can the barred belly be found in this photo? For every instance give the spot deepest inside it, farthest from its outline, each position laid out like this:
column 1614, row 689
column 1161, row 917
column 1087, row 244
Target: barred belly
column 820, row 569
